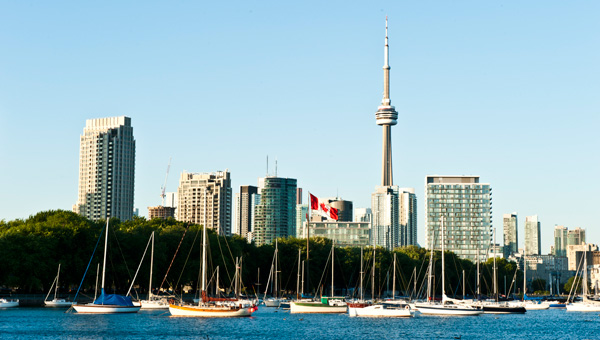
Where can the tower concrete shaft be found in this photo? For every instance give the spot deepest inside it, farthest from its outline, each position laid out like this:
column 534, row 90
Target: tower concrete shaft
column 386, row 116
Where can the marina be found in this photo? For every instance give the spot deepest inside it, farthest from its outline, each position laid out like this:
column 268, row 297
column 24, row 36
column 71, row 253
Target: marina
column 273, row 323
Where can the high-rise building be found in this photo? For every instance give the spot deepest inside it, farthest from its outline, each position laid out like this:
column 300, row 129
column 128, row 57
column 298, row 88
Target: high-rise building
column 301, row 212
column 343, row 234
column 385, row 227
column 576, row 236
column 533, row 239
column 106, row 169
column 299, row 196
column 363, row 215
column 344, row 208
column 245, row 203
column 466, row 205
column 408, row 216
column 276, row 214
column 205, row 198
column 511, row 234
column 560, row 241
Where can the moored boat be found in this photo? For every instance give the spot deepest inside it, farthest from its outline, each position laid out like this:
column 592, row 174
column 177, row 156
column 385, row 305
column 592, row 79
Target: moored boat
column 380, row 310
column 8, row 303
column 326, row 305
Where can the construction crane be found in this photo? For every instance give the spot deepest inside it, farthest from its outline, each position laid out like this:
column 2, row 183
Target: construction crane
column 164, row 187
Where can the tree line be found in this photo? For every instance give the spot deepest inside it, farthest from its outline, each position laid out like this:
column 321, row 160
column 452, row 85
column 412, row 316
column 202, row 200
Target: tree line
column 31, row 250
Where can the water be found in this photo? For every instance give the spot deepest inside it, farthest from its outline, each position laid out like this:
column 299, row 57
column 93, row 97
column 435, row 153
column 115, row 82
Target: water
column 268, row 323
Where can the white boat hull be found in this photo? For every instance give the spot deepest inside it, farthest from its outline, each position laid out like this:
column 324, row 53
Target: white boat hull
column 4, row 303
column 272, row 303
column 155, row 304
column 315, row 307
column 583, row 307
column 431, row 309
column 380, row 311
column 58, row 303
column 211, row 311
column 91, row 308
column 536, row 306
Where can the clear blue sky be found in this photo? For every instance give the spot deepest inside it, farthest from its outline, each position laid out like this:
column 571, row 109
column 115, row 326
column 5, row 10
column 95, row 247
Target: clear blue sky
column 507, row 90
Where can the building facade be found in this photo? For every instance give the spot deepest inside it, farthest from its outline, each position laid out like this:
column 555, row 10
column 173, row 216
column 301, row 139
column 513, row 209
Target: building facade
column 408, row 216
column 385, row 228
column 363, row 215
column 205, row 198
column 466, row 205
column 343, row 234
column 106, row 169
column 576, row 236
column 511, row 234
column 301, row 213
column 276, row 213
column 560, row 241
column 161, row 212
column 245, row 204
column 533, row 239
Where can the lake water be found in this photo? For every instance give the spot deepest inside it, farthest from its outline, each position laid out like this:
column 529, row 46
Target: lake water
column 269, row 323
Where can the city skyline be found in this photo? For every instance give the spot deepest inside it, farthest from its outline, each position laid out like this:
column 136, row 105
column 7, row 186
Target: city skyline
column 513, row 97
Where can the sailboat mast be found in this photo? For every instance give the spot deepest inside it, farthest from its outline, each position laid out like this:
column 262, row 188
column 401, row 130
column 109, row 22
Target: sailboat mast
column 298, row 279
column 430, row 274
column 495, row 277
column 56, row 288
column 362, row 295
column 332, row 261
column 275, row 272
column 584, row 273
column 236, row 278
column 524, row 271
column 151, row 266
column 464, row 284
column 394, row 280
column 105, row 251
column 443, row 268
column 217, row 284
column 204, row 251
column 302, row 287
column 373, row 277
column 96, row 287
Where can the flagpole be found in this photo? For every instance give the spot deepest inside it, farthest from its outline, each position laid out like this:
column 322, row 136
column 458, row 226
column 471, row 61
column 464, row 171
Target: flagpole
column 307, row 244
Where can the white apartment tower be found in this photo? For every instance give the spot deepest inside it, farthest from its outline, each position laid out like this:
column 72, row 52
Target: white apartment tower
column 466, row 205
column 205, row 198
column 106, row 169
column 408, row 216
column 533, row 242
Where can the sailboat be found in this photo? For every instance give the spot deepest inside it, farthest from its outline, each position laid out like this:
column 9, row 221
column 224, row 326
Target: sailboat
column 331, row 304
column 274, row 300
column 7, row 303
column 497, row 307
column 154, row 301
column 529, row 304
column 107, row 303
column 206, row 307
column 586, row 305
column 446, row 307
column 56, row 302
column 389, row 309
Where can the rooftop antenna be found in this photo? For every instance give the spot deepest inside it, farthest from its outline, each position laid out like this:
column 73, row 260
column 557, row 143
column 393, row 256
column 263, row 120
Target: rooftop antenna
column 275, row 167
column 267, row 165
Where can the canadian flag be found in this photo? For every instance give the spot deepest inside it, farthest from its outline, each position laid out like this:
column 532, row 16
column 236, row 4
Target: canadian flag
column 323, row 208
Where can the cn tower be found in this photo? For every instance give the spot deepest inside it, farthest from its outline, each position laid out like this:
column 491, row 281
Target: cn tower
column 386, row 116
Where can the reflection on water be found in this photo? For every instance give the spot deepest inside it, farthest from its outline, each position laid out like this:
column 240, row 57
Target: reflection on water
column 268, row 323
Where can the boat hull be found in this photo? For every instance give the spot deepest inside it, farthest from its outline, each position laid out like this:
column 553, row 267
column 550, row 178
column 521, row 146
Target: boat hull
column 536, row 306
column 315, row 307
column 154, row 304
column 58, row 303
column 583, row 307
column 211, row 311
column 8, row 303
column 448, row 310
column 495, row 309
column 377, row 311
column 91, row 308
column 272, row 303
